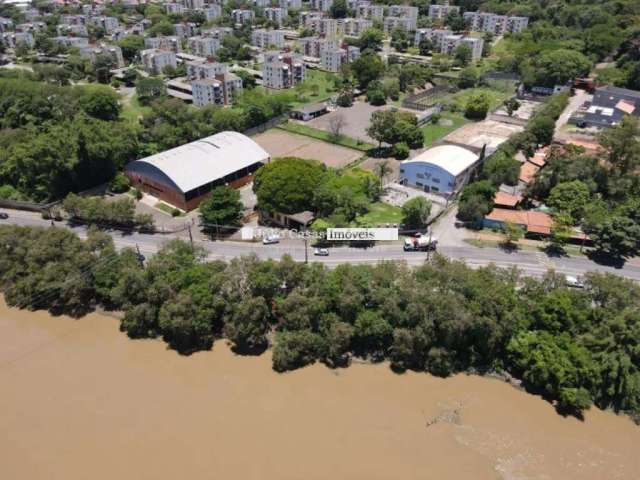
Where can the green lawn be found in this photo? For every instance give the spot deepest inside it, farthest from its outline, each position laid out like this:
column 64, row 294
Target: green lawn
column 168, row 208
column 433, row 132
column 379, row 214
column 132, row 110
column 317, row 86
column 325, row 136
column 496, row 96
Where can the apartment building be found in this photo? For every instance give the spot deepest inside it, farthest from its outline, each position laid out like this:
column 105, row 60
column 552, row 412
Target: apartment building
column 306, row 17
column 170, row 44
column 290, row 4
column 369, row 11
column 241, row 16
column 220, row 90
column 92, row 52
column 326, row 27
column 72, row 20
column 264, row 38
column 404, row 11
column 199, row 69
column 435, row 35
column 354, row 27
column 6, row 24
column 193, row 4
column 333, row 59
column 321, row 5
column 314, row 46
column 261, row 3
column 31, row 27
column 73, row 30
column 275, row 14
column 441, row 11
column 12, row 39
column 66, row 41
column 451, row 42
column 174, row 8
column 155, row 61
column 218, row 32
column 185, row 29
column 203, row 46
column 406, row 23
column 211, row 12
column 282, row 70
column 92, row 9
column 109, row 24
column 493, row 23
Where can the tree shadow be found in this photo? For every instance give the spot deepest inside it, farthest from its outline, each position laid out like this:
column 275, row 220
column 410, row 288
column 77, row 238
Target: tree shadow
column 508, row 247
column 606, row 259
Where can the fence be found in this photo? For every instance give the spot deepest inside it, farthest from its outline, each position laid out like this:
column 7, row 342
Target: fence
column 426, row 99
column 267, row 125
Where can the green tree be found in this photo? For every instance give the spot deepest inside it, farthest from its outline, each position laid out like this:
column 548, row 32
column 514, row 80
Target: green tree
column 149, row 89
column 370, row 39
column 468, row 78
column 222, row 208
column 367, row 68
column 622, row 145
column 415, row 213
column 501, row 168
column 511, row 105
column 101, row 104
column 542, row 128
column 560, row 232
column 557, row 67
column 463, row 55
column 372, row 334
column 477, row 106
column 248, row 325
column 512, row 234
column 296, row 349
column 570, row 198
column 338, row 9
column 131, row 46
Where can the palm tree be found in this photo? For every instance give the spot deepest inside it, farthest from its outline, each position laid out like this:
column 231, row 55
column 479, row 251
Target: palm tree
column 382, row 170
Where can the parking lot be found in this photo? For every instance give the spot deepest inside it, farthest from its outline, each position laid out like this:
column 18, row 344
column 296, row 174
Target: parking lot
column 279, row 143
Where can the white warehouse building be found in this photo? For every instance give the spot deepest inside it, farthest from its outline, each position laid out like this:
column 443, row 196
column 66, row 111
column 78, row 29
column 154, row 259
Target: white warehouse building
column 443, row 169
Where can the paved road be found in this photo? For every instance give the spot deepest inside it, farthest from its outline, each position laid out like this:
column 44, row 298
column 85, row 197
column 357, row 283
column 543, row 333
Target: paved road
column 529, row 262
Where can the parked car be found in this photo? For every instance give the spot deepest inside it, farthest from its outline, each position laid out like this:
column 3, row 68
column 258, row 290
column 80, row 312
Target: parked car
column 575, row 282
column 4, row 216
column 271, row 239
column 321, row 252
column 420, row 244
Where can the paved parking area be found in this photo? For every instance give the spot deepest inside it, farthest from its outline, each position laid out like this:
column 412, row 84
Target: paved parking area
column 285, row 144
column 487, row 132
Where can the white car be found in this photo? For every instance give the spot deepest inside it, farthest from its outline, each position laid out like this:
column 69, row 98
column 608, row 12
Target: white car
column 321, row 252
column 271, row 239
column 574, row 282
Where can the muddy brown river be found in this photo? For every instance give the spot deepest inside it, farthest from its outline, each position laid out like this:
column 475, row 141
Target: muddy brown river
column 79, row 400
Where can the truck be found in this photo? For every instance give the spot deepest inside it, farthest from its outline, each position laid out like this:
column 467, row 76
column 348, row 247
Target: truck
column 420, row 244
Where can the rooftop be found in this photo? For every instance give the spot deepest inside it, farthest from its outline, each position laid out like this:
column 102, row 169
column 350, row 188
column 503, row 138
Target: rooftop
column 450, row 158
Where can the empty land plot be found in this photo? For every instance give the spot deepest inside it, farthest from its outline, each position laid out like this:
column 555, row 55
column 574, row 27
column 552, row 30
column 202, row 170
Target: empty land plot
column 486, row 132
column 279, row 143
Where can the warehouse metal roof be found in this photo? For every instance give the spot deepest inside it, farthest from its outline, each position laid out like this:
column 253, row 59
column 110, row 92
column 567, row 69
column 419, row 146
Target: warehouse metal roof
column 203, row 161
column 450, row 158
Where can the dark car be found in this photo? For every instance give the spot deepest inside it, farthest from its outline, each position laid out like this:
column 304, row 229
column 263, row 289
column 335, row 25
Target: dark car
column 4, row 216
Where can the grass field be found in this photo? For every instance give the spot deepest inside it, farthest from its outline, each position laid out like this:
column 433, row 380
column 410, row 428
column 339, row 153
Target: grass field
column 496, row 97
column 326, row 136
column 132, row 110
column 379, row 214
column 316, row 87
column 433, row 132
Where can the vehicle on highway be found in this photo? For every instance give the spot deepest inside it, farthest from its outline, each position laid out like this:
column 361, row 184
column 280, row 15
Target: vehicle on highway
column 420, row 244
column 271, row 239
column 321, row 252
column 4, row 216
column 572, row 281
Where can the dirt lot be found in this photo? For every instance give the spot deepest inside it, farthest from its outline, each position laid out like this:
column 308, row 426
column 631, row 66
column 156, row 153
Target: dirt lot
column 282, row 144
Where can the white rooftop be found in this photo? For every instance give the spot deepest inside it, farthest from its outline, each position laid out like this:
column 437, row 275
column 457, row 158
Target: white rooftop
column 206, row 160
column 450, row 158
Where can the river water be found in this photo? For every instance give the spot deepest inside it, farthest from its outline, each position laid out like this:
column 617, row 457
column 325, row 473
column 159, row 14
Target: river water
column 79, row 400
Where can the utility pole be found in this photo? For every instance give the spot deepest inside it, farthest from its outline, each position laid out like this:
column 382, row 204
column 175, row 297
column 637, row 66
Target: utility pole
column 306, row 245
column 140, row 256
column 190, row 237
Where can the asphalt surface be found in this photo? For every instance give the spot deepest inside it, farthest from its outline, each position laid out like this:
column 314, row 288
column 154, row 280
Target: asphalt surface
column 531, row 263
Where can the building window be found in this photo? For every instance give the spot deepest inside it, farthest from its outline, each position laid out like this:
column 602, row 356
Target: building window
column 418, row 184
column 419, row 175
column 435, row 180
column 435, row 189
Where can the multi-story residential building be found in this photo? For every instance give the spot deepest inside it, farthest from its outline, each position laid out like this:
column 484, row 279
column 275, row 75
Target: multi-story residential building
column 176, row 8
column 327, row 27
column 333, row 59
column 203, row 46
column 30, row 14
column 78, row 42
column 264, row 38
column 404, row 11
column 241, row 16
column 193, row 4
column 282, row 70
column 109, row 24
column 367, row 10
column 12, row 39
column 307, row 17
column 493, row 23
column 185, row 29
column 72, row 20
column 92, row 9
column 211, row 11
column 290, row 4
column 199, row 69
column 76, row 30
column 218, row 32
column 170, row 44
column 441, row 11
column 451, row 42
column 6, row 24
column 92, row 52
column 261, row 3
column 314, row 46
column 275, row 14
column 220, row 90
column 435, row 35
column 406, row 23
column 354, row 27
column 321, row 5
column 31, row 27
column 155, row 61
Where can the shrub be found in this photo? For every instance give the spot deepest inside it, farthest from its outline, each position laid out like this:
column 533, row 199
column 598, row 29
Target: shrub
column 120, row 183
column 401, row 151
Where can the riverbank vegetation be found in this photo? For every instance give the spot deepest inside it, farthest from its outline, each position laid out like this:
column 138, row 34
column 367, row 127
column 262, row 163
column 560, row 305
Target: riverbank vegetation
column 574, row 347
